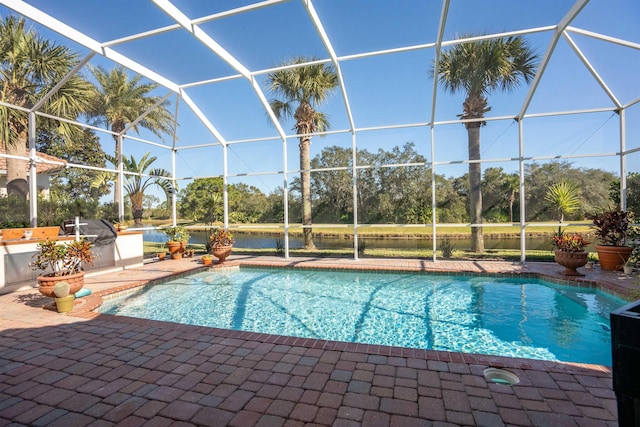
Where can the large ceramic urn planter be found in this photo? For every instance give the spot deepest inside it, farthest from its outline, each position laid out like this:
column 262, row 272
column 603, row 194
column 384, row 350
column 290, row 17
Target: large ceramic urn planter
column 612, row 258
column 221, row 252
column 571, row 260
column 47, row 283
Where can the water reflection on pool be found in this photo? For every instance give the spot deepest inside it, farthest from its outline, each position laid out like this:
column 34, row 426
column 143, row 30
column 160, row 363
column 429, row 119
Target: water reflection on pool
column 517, row 317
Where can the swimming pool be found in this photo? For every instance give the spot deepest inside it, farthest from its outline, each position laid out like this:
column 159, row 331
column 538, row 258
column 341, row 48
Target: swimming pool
column 516, row 317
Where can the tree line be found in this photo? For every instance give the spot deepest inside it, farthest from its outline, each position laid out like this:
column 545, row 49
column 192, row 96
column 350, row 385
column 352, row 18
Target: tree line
column 401, row 194
column 386, row 195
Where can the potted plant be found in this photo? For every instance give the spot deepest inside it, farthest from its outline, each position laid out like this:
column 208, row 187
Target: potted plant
column 570, row 252
column 64, row 297
column 178, row 238
column 62, row 262
column 612, row 229
column 221, row 243
column 633, row 260
column 207, row 259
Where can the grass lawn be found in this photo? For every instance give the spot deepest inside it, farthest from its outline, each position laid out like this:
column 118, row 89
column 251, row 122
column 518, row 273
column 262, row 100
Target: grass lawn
column 152, row 248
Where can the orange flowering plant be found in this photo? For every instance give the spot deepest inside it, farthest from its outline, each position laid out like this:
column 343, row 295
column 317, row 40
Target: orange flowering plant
column 569, row 242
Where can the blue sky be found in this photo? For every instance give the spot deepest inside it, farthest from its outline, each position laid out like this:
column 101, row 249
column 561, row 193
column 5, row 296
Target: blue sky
column 383, row 90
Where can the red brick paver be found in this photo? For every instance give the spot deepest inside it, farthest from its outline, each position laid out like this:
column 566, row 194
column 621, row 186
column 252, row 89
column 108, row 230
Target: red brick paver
column 92, row 369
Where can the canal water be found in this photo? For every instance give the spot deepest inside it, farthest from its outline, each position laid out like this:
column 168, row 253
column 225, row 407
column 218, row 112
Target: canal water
column 266, row 241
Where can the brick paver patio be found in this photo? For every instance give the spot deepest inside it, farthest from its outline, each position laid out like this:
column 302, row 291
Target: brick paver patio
column 87, row 369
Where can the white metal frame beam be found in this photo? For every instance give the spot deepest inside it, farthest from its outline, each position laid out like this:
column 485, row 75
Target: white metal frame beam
column 444, row 13
column 564, row 23
column 592, row 70
column 193, row 28
column 82, row 39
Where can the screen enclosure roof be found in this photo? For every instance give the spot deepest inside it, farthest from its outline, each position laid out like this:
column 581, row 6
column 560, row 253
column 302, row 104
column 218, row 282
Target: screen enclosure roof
column 211, row 59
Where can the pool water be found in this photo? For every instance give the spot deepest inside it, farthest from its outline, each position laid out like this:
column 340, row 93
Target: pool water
column 515, row 317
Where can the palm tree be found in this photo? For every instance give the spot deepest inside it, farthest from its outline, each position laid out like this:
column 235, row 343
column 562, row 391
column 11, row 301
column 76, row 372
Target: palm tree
column 512, row 182
column 564, row 197
column 136, row 185
column 303, row 88
column 119, row 101
column 477, row 68
column 30, row 67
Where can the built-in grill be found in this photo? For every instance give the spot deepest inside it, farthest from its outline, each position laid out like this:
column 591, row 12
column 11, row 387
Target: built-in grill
column 100, row 232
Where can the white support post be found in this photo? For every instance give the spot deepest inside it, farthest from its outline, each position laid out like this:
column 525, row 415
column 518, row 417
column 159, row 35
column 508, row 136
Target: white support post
column 33, row 175
column 174, row 184
column 285, row 193
column 623, row 160
column 354, row 178
column 225, row 189
column 174, row 197
column 523, row 218
column 433, row 193
column 77, row 228
column 120, row 184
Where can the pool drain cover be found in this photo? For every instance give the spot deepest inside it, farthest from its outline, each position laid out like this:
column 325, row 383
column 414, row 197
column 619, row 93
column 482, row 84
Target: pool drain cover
column 500, row 376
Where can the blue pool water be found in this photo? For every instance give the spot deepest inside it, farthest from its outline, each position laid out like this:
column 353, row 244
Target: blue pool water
column 516, row 317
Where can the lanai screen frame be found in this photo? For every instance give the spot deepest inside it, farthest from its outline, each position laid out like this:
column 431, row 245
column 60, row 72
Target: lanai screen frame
column 561, row 30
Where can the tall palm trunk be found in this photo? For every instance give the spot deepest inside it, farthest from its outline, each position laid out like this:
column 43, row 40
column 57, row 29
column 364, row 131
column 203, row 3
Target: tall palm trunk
column 306, row 85
column 17, row 168
column 117, row 127
column 137, row 208
column 116, row 185
column 512, row 200
column 475, row 189
column 304, row 116
column 305, row 179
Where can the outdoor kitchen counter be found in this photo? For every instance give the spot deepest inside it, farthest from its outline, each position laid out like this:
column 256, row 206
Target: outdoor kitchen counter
column 16, row 256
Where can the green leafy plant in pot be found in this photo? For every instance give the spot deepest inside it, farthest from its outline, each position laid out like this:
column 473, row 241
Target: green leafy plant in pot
column 612, row 228
column 62, row 261
column 178, row 238
column 221, row 243
column 634, row 259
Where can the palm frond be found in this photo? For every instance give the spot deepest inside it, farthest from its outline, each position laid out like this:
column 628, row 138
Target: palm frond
column 307, row 86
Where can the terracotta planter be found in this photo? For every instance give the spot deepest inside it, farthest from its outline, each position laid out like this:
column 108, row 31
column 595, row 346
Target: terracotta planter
column 221, row 252
column 612, row 258
column 65, row 304
column 207, row 260
column 571, row 260
column 47, row 283
column 174, row 250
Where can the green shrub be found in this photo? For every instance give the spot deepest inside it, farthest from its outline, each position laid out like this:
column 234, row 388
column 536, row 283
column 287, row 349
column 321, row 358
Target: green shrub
column 447, row 248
